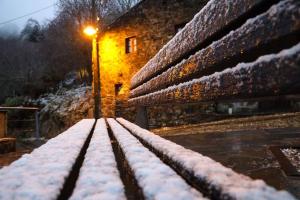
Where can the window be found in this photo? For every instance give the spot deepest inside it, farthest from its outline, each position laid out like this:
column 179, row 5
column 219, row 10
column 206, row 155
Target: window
column 130, row 45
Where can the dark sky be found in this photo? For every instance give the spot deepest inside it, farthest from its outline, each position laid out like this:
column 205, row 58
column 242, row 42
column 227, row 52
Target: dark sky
column 10, row 9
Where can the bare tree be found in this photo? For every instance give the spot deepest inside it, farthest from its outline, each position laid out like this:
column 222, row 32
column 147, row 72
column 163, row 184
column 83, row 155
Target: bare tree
column 107, row 10
column 125, row 5
column 32, row 31
column 43, row 55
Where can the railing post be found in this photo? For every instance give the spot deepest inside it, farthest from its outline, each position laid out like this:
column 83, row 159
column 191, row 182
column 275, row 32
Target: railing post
column 141, row 117
column 37, row 125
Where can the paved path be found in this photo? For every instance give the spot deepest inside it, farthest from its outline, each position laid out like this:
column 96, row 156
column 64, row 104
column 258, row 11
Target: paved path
column 247, row 152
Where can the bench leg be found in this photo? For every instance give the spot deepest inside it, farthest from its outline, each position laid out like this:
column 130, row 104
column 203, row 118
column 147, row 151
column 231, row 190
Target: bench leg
column 141, row 117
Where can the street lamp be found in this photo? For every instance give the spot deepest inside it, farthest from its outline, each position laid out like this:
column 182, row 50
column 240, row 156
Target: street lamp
column 90, row 31
column 93, row 32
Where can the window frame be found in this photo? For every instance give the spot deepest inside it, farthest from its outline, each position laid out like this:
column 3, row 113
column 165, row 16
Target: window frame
column 130, row 44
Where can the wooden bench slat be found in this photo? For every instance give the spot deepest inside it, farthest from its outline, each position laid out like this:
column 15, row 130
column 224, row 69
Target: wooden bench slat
column 157, row 180
column 275, row 74
column 222, row 181
column 41, row 174
column 99, row 177
column 282, row 19
column 214, row 17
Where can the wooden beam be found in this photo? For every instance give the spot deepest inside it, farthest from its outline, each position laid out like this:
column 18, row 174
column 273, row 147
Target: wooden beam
column 271, row 75
column 254, row 38
column 18, row 108
column 209, row 25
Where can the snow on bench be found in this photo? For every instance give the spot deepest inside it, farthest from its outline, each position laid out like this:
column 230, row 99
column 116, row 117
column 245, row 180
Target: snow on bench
column 157, row 180
column 211, row 175
column 273, row 74
column 216, row 16
column 41, row 174
column 282, row 19
column 99, row 177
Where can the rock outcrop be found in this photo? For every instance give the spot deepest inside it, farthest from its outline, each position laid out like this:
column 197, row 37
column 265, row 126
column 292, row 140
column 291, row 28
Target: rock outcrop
column 63, row 109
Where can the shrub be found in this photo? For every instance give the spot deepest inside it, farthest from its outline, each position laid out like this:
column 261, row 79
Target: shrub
column 14, row 101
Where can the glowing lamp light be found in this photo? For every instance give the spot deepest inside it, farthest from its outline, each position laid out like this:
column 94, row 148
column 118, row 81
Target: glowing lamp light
column 90, row 31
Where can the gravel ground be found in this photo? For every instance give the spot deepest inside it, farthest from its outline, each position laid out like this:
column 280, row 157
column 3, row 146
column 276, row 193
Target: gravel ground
column 283, row 120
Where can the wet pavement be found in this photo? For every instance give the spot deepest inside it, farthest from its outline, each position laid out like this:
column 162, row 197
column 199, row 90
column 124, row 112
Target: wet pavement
column 247, row 152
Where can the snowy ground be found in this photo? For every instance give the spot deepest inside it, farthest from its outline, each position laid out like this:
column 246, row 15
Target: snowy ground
column 293, row 155
column 64, row 108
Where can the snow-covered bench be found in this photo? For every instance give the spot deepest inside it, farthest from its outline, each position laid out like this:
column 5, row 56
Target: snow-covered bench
column 206, row 175
column 99, row 177
column 230, row 50
column 43, row 173
column 114, row 160
column 156, row 179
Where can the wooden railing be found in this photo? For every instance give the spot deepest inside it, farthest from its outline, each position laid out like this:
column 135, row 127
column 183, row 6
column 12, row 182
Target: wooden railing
column 30, row 109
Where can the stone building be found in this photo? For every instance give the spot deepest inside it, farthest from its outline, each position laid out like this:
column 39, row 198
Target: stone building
column 134, row 38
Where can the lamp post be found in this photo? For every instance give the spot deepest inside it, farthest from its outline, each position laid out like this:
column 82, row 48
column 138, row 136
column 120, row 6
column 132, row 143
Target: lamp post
column 93, row 32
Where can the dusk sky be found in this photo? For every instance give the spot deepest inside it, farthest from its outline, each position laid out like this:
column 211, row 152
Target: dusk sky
column 10, row 9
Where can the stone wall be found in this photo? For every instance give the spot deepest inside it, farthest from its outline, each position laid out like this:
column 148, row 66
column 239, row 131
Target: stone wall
column 153, row 23
column 171, row 115
column 186, row 114
column 176, row 115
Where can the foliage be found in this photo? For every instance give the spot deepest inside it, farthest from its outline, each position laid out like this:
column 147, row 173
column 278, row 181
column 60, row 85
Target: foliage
column 14, row 101
column 125, row 5
column 20, row 67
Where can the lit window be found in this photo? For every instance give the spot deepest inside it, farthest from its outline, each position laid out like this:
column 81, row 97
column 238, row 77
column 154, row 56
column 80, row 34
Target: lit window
column 130, row 45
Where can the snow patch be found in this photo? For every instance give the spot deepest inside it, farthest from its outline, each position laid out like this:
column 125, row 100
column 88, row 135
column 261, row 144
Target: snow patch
column 293, row 155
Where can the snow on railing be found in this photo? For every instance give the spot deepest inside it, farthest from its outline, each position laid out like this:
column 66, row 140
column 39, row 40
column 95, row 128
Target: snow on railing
column 282, row 19
column 99, row 177
column 212, row 18
column 215, row 175
column 245, row 79
column 157, row 180
column 41, row 174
